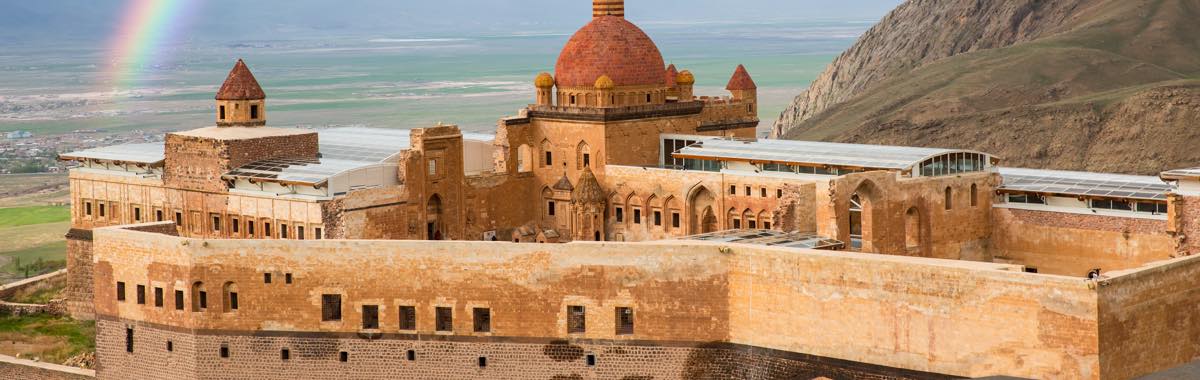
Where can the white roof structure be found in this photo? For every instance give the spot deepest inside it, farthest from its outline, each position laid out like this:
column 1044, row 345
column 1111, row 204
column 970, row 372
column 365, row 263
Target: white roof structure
column 144, row 154
column 1084, row 184
column 771, row 238
column 1178, row 174
column 816, row 153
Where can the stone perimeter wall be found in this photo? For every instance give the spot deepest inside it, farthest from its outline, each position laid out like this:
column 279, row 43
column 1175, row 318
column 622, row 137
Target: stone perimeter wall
column 1074, row 244
column 13, row 368
column 897, row 312
column 1150, row 318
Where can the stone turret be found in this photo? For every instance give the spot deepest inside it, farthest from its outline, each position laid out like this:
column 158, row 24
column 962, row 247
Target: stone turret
column 545, row 89
column 685, row 81
column 588, row 201
column 241, row 102
column 743, row 88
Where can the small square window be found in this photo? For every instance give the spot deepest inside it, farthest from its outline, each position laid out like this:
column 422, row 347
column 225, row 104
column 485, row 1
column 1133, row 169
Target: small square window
column 158, row 215
column 285, row 354
column 482, row 362
column 779, row 193
column 266, row 278
column 444, row 318
column 408, row 318
column 343, row 356
column 225, row 351
column 576, row 320
column 331, row 307
column 370, row 317
column 411, row 355
column 624, row 321
column 591, row 360
column 318, row 233
column 287, row 278
column 483, row 320
column 732, row 189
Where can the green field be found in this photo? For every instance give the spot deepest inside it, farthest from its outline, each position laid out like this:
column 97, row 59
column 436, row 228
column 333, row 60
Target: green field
column 47, row 338
column 52, row 255
column 24, row 216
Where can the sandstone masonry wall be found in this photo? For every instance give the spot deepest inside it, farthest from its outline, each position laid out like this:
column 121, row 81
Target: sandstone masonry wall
column 1074, row 244
column 1150, row 318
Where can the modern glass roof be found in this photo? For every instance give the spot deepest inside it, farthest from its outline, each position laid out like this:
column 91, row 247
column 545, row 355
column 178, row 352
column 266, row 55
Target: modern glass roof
column 1084, row 184
column 372, row 145
column 150, row 154
column 813, row 153
column 771, row 238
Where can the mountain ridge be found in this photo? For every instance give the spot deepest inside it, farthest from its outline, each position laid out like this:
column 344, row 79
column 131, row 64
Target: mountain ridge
column 1068, row 76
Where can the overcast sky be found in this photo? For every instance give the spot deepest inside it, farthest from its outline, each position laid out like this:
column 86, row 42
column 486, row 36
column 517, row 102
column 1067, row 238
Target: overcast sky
column 241, row 18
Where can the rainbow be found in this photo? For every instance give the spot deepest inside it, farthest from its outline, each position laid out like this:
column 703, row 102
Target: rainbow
column 146, row 26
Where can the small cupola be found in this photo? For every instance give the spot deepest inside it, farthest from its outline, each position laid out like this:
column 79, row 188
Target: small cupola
column 241, row 102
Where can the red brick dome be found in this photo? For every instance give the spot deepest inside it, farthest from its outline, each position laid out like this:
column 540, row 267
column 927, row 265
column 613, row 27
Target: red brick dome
column 611, row 46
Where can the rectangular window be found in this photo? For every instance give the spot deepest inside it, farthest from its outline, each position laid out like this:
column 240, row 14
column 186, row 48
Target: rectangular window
column 737, row 223
column 203, row 300
column 747, row 191
column 128, row 339
column 137, row 214
column 779, row 193
column 483, row 362
column 120, row 291
column 620, row 215
column 233, row 301
column 287, row 278
column 158, row 297
column 267, row 229
column 408, row 318
column 158, row 215
column 444, row 317
column 266, row 278
column 674, row 220
column 587, row 160
column 331, row 307
column 102, row 209
column 576, row 320
column 732, row 189
column 411, row 355
column 753, row 224
column 637, row 216
column 235, row 225
column 370, row 317
column 318, row 233
column 624, row 321
column 222, row 113
column 483, row 320
column 300, row 232
column 250, row 228
column 432, row 167
column 170, row 346
column 87, row 208
column 658, row 218
column 216, row 225
column 549, row 158
column 763, row 192
column 285, row 354
column 254, row 111
column 141, row 294
column 283, row 231
column 550, row 208
column 178, row 300
column 179, row 219
column 1029, row 199
column 224, row 350
column 766, row 225
column 343, row 356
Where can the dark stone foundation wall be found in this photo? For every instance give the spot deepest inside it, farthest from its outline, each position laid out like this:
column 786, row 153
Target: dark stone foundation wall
column 197, row 355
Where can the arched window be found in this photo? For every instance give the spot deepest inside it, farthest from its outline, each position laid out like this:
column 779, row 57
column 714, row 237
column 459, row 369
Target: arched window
column 199, row 297
column 524, row 159
column 735, row 219
column 949, row 199
column 583, row 155
column 229, row 297
column 974, row 195
column 548, row 154
column 856, row 221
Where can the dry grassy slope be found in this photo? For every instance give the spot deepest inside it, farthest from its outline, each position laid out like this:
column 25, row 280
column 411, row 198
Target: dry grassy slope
column 1114, row 87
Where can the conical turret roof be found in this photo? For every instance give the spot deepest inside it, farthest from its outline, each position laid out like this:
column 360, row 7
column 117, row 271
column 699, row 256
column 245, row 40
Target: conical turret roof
column 741, row 80
column 588, row 189
column 241, row 85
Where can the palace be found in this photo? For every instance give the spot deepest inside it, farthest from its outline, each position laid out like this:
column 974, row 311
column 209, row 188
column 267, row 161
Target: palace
column 619, row 227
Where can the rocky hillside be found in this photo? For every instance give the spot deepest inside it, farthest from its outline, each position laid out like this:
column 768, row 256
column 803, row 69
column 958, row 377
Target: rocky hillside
column 1105, row 85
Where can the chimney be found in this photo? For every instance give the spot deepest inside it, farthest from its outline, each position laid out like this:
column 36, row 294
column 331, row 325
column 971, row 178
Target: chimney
column 602, row 8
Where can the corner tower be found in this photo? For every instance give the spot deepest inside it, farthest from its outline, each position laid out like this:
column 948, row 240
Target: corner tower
column 241, row 102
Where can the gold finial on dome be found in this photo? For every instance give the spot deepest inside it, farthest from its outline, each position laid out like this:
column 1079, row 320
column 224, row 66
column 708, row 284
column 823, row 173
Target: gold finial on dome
column 544, row 80
column 604, row 83
column 685, row 78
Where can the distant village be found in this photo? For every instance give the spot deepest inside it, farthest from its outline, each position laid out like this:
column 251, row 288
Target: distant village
column 24, row 152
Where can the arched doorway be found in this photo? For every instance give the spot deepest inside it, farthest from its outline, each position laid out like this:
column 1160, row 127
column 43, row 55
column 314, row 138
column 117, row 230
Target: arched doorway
column 856, row 222
column 433, row 217
column 701, row 217
column 860, row 214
